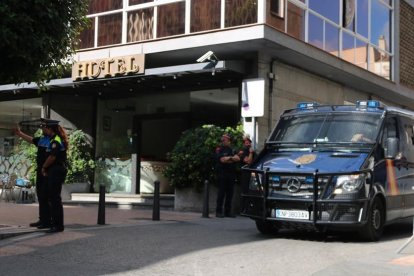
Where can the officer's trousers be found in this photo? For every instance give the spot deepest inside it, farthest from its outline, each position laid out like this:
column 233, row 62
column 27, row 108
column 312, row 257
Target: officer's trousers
column 225, row 192
column 42, row 197
column 56, row 177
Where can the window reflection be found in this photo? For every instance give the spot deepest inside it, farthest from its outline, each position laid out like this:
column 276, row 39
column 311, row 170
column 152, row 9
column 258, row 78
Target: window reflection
column 327, row 8
column 109, row 29
column 140, row 25
column 87, row 35
column 348, row 48
column 171, row 19
column 96, row 6
column 361, row 53
column 296, row 21
column 380, row 25
column 362, row 17
column 240, row 12
column 205, row 15
column 315, row 32
column 380, row 63
column 331, row 39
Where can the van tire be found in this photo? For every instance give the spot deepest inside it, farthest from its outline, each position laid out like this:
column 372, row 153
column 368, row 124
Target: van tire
column 372, row 231
column 266, row 227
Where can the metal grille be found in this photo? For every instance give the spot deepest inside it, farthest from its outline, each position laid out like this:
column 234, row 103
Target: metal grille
column 296, row 186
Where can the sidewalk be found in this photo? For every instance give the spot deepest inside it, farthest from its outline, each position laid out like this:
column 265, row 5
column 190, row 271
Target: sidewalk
column 15, row 217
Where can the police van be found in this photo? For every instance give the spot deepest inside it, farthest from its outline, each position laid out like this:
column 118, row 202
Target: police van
column 348, row 167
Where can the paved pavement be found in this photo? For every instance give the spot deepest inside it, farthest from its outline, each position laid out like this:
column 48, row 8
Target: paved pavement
column 15, row 218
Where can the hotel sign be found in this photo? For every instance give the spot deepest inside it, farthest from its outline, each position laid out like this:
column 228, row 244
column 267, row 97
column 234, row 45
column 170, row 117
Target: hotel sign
column 109, row 67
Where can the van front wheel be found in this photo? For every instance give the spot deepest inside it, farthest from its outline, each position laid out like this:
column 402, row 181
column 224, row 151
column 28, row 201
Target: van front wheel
column 372, row 231
column 267, row 228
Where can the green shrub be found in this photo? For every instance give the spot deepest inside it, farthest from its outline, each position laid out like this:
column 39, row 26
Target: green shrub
column 193, row 158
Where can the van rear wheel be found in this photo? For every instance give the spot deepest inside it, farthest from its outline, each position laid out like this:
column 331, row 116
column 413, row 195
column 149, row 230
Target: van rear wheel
column 372, row 231
column 266, row 228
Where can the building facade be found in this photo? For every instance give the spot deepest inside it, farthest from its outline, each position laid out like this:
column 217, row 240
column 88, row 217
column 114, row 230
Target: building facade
column 148, row 69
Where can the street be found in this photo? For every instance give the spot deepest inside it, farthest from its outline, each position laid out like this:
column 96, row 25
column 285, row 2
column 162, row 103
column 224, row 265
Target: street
column 229, row 246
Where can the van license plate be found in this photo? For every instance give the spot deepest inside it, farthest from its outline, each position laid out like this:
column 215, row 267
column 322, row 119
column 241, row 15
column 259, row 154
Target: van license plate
column 292, row 214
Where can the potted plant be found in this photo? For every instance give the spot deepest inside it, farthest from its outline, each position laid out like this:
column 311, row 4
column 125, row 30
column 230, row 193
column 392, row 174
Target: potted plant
column 81, row 165
column 192, row 161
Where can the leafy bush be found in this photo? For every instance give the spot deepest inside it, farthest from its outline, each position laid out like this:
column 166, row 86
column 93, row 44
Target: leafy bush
column 80, row 158
column 192, row 159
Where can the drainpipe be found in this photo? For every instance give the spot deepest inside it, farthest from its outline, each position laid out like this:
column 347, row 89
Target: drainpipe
column 272, row 78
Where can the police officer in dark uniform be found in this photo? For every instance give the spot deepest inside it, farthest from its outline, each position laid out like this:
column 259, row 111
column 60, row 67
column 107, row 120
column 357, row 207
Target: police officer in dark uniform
column 247, row 154
column 42, row 143
column 227, row 160
column 55, row 168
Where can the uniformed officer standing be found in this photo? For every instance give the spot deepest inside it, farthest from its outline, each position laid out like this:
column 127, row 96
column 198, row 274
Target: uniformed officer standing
column 227, row 160
column 55, row 168
column 247, row 154
column 42, row 143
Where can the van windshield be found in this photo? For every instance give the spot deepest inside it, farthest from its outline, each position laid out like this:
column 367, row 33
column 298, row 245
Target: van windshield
column 328, row 128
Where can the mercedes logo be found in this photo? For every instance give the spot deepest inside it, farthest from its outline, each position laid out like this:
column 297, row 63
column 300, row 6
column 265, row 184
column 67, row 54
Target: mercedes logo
column 293, row 185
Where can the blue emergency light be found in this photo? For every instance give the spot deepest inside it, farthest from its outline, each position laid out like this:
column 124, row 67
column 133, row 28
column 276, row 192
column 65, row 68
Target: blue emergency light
column 307, row 105
column 368, row 104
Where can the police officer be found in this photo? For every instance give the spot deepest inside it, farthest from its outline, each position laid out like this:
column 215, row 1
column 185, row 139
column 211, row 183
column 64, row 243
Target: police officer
column 247, row 154
column 227, row 160
column 55, row 169
column 42, row 143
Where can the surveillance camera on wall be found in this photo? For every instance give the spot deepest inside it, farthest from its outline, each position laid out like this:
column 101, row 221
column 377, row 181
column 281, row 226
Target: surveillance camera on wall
column 207, row 56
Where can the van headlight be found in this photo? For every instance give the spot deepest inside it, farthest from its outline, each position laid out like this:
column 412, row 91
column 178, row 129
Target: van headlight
column 349, row 183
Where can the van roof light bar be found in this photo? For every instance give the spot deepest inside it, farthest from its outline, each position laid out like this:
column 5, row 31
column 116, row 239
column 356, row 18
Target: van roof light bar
column 307, row 105
column 368, row 104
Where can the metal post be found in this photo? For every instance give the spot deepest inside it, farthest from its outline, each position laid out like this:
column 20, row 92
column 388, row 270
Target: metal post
column 206, row 199
column 101, row 208
column 156, row 204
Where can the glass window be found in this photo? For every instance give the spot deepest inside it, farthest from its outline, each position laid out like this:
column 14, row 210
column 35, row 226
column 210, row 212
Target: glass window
column 296, row 21
column 348, row 47
column 326, row 8
column 96, row 6
column 240, row 12
column 380, row 63
column 380, row 25
column 362, row 17
column 205, row 15
column 136, row 2
column 87, row 36
column 331, row 39
column 315, row 32
column 330, row 128
column 349, row 14
column 171, row 19
column 140, row 25
column 361, row 53
column 109, row 29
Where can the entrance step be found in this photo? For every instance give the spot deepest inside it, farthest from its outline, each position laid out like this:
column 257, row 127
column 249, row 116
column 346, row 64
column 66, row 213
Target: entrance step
column 166, row 200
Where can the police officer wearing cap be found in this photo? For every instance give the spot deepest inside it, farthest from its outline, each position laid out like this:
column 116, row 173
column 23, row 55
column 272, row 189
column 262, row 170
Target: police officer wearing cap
column 227, row 160
column 42, row 143
column 55, row 169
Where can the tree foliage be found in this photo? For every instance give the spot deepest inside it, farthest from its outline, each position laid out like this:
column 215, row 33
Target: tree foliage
column 37, row 37
column 193, row 158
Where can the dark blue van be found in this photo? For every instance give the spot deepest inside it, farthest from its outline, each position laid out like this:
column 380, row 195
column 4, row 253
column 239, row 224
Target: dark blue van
column 333, row 167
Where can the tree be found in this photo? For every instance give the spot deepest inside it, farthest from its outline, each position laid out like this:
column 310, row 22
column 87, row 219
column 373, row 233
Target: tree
column 37, row 37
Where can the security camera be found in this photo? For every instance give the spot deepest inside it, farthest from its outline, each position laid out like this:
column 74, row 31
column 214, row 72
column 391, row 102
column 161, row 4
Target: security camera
column 207, row 56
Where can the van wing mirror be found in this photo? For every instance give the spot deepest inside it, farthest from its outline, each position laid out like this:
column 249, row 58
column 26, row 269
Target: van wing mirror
column 392, row 147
